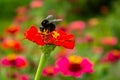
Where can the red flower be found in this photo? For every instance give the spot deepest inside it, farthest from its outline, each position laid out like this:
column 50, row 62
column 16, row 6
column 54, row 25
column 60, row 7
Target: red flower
column 59, row 38
column 13, row 29
column 14, row 44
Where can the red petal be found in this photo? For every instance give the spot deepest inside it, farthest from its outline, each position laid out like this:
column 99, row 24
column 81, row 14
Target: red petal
column 61, row 32
column 69, row 41
column 32, row 34
column 38, row 39
column 65, row 40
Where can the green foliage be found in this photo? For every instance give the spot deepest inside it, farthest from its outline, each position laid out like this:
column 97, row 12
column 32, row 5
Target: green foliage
column 8, row 7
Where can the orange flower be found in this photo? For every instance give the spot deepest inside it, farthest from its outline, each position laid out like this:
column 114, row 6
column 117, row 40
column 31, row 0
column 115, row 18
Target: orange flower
column 12, row 44
column 13, row 29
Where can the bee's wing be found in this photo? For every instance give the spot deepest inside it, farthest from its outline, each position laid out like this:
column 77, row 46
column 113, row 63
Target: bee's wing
column 55, row 20
column 49, row 16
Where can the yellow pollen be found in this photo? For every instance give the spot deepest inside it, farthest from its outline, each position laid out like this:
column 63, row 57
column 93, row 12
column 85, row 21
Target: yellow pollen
column 75, row 59
column 11, row 57
column 55, row 34
column 45, row 32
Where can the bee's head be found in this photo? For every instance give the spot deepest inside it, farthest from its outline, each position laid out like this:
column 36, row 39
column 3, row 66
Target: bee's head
column 45, row 23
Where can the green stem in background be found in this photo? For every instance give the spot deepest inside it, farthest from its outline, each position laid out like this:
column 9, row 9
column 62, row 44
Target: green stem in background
column 46, row 50
column 42, row 62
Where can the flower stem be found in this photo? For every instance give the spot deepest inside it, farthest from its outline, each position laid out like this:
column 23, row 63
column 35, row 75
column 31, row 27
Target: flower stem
column 42, row 62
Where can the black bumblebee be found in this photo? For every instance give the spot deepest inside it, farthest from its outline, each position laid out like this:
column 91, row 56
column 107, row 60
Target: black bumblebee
column 48, row 25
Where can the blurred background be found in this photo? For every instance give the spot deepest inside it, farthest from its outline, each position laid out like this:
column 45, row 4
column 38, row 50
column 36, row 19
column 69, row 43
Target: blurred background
column 94, row 23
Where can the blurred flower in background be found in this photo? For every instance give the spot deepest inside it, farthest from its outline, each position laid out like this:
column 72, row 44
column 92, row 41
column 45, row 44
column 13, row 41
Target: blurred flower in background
column 74, row 66
column 36, row 3
column 14, row 61
column 110, row 41
column 50, row 71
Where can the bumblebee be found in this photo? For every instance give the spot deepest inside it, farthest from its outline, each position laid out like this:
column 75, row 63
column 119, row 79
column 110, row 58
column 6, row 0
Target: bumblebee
column 48, row 25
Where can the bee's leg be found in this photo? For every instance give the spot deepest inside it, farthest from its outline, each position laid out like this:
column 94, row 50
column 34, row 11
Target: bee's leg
column 49, row 16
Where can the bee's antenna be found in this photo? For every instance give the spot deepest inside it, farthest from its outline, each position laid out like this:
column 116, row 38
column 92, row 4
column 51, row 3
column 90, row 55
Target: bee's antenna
column 49, row 16
column 55, row 20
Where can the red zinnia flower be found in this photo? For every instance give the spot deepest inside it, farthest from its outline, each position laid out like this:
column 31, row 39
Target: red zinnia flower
column 13, row 29
column 9, row 43
column 59, row 38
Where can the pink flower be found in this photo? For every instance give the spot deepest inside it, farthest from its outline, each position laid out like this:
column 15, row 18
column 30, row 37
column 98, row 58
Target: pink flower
column 14, row 61
column 20, row 18
column 74, row 66
column 17, row 76
column 88, row 38
column 24, row 77
column 110, row 41
column 111, row 56
column 22, row 10
column 21, row 15
column 50, row 71
column 79, row 40
column 36, row 3
column 77, row 25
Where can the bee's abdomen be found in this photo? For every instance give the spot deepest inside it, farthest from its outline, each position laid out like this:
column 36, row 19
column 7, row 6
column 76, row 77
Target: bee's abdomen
column 51, row 27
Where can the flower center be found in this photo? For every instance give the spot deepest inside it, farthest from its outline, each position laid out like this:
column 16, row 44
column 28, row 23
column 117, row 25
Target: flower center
column 75, row 59
column 75, row 67
column 115, row 53
column 13, row 62
column 50, row 71
column 10, row 43
column 55, row 34
column 11, row 57
column 45, row 32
